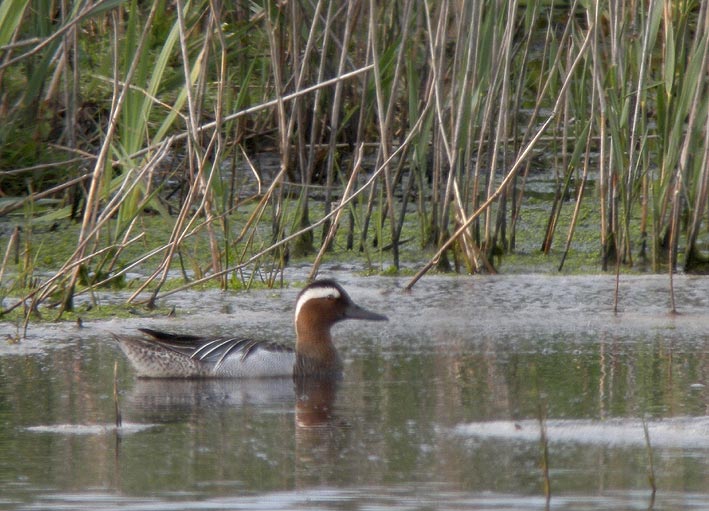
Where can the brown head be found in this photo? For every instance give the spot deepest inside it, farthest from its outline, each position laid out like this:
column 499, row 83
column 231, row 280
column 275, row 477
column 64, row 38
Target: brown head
column 319, row 306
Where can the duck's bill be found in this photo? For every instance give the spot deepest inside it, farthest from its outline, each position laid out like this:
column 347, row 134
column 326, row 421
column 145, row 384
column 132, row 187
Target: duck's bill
column 356, row 312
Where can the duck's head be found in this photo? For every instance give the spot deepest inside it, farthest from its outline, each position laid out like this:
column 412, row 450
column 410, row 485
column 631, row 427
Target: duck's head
column 324, row 303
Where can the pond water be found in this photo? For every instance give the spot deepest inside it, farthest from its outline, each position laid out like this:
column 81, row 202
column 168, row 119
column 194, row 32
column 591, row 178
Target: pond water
column 439, row 408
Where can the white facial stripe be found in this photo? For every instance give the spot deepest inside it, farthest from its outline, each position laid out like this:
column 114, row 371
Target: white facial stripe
column 314, row 293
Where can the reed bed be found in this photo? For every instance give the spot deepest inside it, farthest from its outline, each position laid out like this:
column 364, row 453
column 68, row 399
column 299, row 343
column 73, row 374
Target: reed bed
column 394, row 126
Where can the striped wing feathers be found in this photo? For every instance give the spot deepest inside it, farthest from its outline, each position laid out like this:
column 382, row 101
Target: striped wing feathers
column 213, row 350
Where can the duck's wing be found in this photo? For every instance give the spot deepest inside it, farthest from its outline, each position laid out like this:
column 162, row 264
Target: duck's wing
column 213, row 350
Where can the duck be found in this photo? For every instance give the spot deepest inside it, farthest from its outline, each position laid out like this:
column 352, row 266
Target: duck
column 318, row 307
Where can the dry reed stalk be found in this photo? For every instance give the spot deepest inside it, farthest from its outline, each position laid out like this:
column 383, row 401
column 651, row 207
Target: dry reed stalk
column 356, row 166
column 116, row 403
column 633, row 158
column 31, row 300
column 218, row 138
column 41, row 195
column 471, row 103
column 546, row 79
column 385, row 127
column 73, row 264
column 650, row 464
column 482, row 208
column 579, row 195
column 457, row 120
column 197, row 160
column 88, row 226
column 278, row 68
column 334, row 118
column 544, row 461
column 501, row 125
column 266, row 105
column 416, row 127
column 523, row 155
column 182, row 234
column 486, row 126
column 701, row 198
column 13, row 242
column 518, row 187
column 110, row 209
column 384, row 117
column 682, row 175
column 475, row 83
column 316, row 128
column 88, row 10
column 703, row 178
column 561, row 184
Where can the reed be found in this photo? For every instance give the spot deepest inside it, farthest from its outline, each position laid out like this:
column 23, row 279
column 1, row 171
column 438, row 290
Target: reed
column 116, row 402
column 408, row 132
column 650, row 464
column 544, row 458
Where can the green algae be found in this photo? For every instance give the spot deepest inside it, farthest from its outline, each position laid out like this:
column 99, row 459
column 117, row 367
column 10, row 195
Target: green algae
column 49, row 246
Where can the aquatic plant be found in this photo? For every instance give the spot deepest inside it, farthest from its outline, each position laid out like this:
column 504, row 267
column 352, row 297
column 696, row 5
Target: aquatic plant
column 400, row 130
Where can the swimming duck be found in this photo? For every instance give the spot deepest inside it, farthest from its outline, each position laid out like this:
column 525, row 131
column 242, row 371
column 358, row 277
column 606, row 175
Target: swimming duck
column 318, row 307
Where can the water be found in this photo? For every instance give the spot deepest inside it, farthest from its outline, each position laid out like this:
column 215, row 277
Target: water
column 439, row 408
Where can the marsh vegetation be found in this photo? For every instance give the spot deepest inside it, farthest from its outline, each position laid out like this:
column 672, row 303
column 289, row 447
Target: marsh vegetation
column 405, row 133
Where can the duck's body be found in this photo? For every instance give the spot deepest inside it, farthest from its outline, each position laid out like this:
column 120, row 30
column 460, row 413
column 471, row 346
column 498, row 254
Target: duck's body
column 319, row 306
column 163, row 355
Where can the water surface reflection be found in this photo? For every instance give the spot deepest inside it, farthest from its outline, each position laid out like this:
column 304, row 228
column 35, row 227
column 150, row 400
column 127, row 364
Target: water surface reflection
column 437, row 410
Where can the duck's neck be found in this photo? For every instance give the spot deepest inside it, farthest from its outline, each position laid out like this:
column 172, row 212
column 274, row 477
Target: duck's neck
column 315, row 355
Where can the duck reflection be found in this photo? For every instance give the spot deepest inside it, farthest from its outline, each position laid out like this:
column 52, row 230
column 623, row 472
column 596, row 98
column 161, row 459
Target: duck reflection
column 322, row 438
column 293, row 425
column 172, row 400
column 315, row 400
